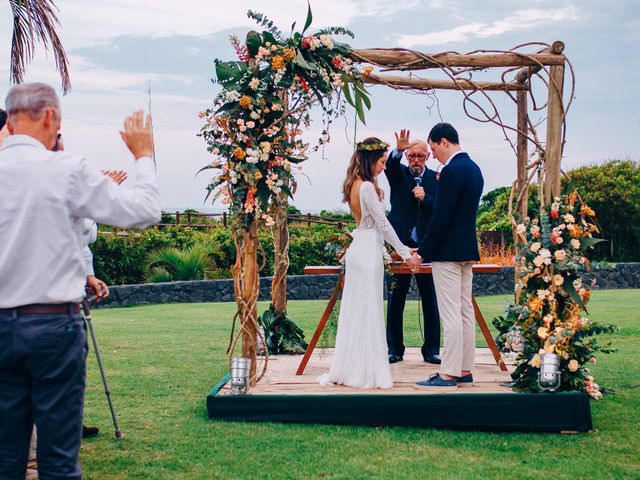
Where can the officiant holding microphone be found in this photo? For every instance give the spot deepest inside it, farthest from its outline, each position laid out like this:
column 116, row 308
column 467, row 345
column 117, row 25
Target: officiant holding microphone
column 413, row 191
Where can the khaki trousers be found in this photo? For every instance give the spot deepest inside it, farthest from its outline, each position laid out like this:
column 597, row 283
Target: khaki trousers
column 453, row 282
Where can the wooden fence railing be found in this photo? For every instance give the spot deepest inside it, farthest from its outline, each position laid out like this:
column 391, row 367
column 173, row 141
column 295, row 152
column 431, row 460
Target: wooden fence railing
column 208, row 220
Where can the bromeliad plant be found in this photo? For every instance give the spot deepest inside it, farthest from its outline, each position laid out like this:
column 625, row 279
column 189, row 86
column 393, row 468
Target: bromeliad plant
column 254, row 129
column 550, row 312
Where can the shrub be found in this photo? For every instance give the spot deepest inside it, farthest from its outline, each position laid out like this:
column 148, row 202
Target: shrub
column 195, row 262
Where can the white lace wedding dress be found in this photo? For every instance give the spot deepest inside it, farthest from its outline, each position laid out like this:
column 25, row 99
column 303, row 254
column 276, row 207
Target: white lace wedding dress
column 360, row 356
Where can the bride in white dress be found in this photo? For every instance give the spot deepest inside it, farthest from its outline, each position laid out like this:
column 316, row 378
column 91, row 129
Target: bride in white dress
column 360, row 356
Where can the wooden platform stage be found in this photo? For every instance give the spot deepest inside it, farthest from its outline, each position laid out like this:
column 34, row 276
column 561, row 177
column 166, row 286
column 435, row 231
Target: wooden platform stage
column 283, row 396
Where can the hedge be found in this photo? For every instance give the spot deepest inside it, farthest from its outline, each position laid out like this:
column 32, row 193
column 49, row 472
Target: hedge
column 119, row 257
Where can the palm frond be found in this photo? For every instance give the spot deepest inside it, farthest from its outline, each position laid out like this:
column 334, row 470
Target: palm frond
column 36, row 21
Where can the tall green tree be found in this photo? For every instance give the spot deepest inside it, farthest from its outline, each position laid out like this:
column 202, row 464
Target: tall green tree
column 612, row 189
column 35, row 21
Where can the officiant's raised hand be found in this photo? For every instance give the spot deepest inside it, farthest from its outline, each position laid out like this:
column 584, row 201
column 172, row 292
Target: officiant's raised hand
column 403, row 140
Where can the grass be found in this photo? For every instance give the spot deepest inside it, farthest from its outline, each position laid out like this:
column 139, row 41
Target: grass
column 162, row 360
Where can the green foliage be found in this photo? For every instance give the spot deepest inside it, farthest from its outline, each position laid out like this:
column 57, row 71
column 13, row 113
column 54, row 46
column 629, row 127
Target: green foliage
column 282, row 334
column 119, row 258
column 612, row 189
column 195, row 262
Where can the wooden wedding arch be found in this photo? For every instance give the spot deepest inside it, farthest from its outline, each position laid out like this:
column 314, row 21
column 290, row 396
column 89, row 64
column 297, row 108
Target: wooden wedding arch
column 521, row 74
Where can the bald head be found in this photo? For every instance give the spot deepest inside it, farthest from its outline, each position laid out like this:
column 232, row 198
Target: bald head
column 417, row 155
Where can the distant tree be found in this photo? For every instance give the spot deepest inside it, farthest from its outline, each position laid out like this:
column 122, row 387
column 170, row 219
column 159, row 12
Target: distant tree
column 293, row 210
column 612, row 189
column 493, row 211
column 35, row 21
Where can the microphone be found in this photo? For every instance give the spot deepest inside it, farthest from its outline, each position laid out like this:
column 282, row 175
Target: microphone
column 418, row 180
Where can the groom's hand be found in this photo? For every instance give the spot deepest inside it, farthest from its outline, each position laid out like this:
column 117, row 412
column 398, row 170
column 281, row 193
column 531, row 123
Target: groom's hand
column 415, row 261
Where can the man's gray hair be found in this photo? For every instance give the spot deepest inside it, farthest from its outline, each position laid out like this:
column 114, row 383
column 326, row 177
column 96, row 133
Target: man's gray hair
column 32, row 99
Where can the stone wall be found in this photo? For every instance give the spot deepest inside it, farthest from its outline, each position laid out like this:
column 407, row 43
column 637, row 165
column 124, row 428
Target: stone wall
column 319, row 287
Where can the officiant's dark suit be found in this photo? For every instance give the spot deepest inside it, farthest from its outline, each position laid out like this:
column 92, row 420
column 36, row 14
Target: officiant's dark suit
column 410, row 219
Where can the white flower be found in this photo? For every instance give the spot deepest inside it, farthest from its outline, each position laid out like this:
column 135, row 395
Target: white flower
column 538, row 261
column 265, row 146
column 569, row 218
column 251, row 124
column 521, row 228
column 573, row 365
column 535, row 361
column 326, row 41
column 575, row 243
column 254, row 83
column 560, row 254
column 276, row 107
column 255, row 115
column 231, row 96
column 558, row 279
column 535, row 246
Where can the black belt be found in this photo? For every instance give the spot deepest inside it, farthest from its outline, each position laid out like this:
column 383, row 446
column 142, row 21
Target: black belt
column 43, row 309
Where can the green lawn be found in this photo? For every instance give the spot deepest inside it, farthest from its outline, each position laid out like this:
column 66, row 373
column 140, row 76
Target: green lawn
column 162, row 360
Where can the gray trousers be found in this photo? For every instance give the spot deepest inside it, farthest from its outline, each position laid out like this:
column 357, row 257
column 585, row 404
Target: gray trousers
column 42, row 380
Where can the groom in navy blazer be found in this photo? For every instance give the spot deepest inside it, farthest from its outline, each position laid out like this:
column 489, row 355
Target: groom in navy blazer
column 413, row 190
column 451, row 246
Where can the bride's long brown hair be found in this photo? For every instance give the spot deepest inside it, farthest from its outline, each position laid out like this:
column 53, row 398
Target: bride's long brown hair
column 362, row 166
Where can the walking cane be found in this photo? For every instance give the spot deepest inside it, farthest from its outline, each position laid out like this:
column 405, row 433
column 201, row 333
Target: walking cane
column 87, row 316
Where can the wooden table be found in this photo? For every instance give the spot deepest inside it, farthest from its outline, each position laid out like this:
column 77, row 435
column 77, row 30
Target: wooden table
column 400, row 269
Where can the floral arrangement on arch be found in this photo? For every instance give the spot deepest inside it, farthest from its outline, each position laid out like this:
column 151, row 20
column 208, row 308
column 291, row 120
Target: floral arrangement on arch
column 255, row 124
column 550, row 312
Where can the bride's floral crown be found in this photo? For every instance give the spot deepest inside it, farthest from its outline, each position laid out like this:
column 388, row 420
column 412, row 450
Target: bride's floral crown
column 369, row 147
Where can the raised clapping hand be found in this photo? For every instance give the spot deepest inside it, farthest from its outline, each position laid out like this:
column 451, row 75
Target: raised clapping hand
column 137, row 135
column 117, row 176
column 403, row 141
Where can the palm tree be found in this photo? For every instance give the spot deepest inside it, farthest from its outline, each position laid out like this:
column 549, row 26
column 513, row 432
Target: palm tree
column 36, row 21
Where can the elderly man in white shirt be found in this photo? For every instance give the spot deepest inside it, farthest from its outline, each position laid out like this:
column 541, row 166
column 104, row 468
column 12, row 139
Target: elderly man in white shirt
column 45, row 197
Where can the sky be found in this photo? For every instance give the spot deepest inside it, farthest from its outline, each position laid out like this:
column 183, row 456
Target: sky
column 119, row 49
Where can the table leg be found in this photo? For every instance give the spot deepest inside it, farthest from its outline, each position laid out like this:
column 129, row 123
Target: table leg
column 487, row 336
column 321, row 325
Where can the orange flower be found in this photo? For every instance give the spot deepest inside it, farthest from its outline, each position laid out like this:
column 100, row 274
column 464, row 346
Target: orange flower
column 245, row 101
column 262, row 102
column 277, row 62
column 536, row 304
column 585, row 210
column 368, row 70
column 289, row 54
column 239, row 153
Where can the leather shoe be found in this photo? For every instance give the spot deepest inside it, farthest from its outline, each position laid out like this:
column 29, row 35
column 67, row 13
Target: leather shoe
column 395, row 358
column 89, row 432
column 435, row 359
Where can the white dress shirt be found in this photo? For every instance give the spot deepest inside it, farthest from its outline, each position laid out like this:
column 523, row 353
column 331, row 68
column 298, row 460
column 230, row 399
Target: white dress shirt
column 89, row 235
column 44, row 198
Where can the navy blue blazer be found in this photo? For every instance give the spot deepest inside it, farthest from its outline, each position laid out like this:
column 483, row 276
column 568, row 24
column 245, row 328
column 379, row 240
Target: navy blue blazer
column 451, row 236
column 407, row 211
